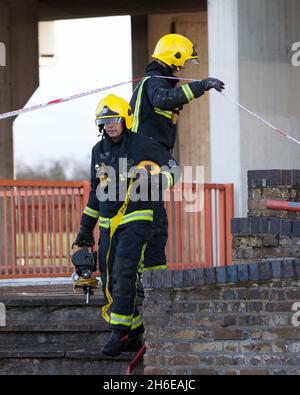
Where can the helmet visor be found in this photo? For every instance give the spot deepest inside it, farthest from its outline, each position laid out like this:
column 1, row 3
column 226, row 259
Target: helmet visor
column 108, row 120
column 193, row 61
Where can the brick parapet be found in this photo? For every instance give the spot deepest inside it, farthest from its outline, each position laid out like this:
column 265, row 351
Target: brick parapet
column 230, row 321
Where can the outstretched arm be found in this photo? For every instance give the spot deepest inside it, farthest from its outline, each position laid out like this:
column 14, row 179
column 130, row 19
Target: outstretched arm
column 165, row 98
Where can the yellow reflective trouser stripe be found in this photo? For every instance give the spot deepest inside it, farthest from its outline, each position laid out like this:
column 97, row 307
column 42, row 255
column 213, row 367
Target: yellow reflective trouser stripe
column 114, row 223
column 118, row 319
column 136, row 114
column 167, row 114
column 188, row 92
column 155, row 267
column 91, row 212
column 137, row 218
column 169, row 178
column 136, row 322
column 140, row 215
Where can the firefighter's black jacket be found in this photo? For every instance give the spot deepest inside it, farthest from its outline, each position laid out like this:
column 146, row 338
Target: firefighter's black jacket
column 129, row 152
column 156, row 103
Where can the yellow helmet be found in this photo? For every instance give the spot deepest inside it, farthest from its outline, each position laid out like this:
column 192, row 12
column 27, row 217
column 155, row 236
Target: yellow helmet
column 174, row 50
column 113, row 109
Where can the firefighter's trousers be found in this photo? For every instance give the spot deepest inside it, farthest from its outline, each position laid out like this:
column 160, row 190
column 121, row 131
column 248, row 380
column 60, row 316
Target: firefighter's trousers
column 155, row 255
column 126, row 256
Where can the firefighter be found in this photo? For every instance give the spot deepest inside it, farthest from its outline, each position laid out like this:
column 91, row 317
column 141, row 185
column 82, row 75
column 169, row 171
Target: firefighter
column 118, row 168
column 156, row 103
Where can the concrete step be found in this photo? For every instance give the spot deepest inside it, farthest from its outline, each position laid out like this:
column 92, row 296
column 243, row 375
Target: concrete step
column 56, row 333
column 59, row 361
column 67, row 337
column 53, row 314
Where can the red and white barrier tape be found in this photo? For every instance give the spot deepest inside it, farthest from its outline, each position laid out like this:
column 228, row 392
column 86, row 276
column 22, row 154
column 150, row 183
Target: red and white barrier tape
column 77, row 96
column 65, row 99
column 259, row 118
column 263, row 120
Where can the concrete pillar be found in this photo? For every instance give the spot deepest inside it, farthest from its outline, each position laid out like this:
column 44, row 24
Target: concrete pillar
column 6, row 143
column 250, row 45
column 224, row 115
column 18, row 81
column 19, row 77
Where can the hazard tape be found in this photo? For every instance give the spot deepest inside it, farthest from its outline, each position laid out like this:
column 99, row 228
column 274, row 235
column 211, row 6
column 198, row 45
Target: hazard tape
column 259, row 118
column 77, row 96
column 62, row 100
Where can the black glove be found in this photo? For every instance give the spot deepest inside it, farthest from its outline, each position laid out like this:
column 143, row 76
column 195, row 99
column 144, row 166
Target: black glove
column 210, row 83
column 84, row 237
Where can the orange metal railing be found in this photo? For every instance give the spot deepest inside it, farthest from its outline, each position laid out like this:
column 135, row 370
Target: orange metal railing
column 39, row 221
column 200, row 232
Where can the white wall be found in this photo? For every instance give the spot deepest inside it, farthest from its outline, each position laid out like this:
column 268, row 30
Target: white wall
column 250, row 45
column 269, row 84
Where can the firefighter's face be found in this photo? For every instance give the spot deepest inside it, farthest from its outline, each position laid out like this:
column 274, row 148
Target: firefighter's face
column 114, row 130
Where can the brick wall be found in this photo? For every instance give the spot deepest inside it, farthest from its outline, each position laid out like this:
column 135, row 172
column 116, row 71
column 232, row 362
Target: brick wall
column 226, row 321
column 275, row 185
column 258, row 239
column 268, row 234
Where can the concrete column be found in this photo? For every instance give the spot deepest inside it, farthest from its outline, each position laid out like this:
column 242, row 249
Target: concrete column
column 6, row 143
column 18, row 81
column 19, row 77
column 224, row 115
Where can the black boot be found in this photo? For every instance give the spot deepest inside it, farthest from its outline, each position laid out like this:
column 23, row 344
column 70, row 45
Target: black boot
column 115, row 344
column 134, row 343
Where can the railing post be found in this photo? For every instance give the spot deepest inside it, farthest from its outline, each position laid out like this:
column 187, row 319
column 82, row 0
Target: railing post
column 222, row 230
column 86, row 191
column 208, row 228
column 229, row 209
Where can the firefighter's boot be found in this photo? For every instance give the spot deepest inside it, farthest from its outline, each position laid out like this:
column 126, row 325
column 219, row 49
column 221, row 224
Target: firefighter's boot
column 134, row 343
column 117, row 341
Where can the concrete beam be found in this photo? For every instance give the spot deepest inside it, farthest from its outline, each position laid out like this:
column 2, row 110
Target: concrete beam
column 67, row 9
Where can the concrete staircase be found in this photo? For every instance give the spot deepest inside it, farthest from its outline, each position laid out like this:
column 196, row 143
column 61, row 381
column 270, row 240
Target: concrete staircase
column 55, row 333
